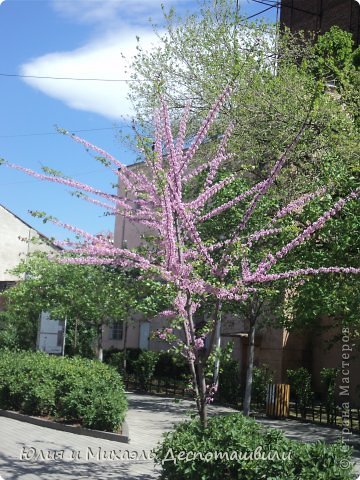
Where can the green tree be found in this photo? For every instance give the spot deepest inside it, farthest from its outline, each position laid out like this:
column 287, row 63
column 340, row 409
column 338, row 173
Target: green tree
column 276, row 79
column 87, row 296
column 334, row 58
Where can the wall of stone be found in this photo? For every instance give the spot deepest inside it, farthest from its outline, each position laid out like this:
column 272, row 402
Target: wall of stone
column 321, row 15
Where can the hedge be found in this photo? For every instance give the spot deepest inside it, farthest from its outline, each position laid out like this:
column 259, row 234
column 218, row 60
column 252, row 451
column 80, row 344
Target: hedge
column 238, row 448
column 73, row 389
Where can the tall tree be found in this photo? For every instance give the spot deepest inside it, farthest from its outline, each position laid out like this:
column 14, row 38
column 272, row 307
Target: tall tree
column 276, row 77
column 230, row 269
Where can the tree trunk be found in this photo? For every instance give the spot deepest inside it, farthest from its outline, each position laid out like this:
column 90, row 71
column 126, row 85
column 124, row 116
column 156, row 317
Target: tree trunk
column 250, row 367
column 215, row 342
column 76, row 336
column 196, row 365
column 100, row 343
column 125, row 346
column 203, row 406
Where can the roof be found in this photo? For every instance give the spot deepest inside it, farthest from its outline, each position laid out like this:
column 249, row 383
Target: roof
column 41, row 235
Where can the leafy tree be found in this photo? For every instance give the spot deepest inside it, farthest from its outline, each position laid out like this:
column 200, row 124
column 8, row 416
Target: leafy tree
column 300, row 388
column 197, row 55
column 334, row 58
column 230, row 269
column 87, row 296
column 276, row 77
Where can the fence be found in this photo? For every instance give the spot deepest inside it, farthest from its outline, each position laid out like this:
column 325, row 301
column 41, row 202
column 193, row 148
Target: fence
column 166, row 386
column 317, row 412
column 333, row 415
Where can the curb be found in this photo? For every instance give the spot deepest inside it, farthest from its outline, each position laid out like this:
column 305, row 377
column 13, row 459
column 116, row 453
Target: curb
column 115, row 437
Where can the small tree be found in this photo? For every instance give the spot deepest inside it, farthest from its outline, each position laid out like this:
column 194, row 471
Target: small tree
column 144, row 368
column 262, row 377
column 300, row 388
column 328, row 378
column 227, row 270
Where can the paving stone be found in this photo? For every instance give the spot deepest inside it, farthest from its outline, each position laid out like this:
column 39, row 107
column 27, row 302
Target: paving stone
column 30, row 452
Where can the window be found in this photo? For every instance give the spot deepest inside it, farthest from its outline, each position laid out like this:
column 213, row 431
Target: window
column 5, row 285
column 116, row 331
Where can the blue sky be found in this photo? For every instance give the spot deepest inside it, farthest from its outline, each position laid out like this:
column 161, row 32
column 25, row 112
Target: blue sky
column 65, row 38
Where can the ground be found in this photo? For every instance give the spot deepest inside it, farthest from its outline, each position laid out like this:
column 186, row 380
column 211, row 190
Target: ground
column 23, row 446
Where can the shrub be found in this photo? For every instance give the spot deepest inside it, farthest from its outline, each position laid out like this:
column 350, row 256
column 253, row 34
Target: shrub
column 229, row 381
column 115, row 357
column 171, row 365
column 328, row 378
column 227, row 449
column 300, row 387
column 116, row 360
column 144, row 367
column 262, row 377
column 70, row 388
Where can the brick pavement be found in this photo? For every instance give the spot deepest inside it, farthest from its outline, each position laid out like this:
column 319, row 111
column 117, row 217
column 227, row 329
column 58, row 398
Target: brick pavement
column 148, row 417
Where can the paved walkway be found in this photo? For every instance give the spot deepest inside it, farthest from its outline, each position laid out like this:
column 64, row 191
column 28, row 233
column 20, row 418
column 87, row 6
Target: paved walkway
column 27, row 451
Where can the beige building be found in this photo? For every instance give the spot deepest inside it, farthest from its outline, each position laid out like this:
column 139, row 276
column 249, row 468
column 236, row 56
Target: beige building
column 18, row 239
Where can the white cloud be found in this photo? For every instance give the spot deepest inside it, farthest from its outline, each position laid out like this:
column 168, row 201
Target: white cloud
column 1, row 1
column 101, row 58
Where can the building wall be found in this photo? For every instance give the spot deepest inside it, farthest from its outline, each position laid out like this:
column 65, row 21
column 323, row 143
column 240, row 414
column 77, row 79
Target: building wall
column 128, row 234
column 16, row 242
column 132, row 337
column 321, row 15
column 328, row 347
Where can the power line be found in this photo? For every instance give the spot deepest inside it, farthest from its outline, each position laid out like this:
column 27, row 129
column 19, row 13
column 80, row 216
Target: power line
column 55, row 133
column 50, row 77
column 78, row 79
column 262, row 11
column 274, row 3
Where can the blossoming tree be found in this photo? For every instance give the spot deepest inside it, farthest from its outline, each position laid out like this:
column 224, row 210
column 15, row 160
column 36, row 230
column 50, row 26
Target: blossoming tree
column 223, row 270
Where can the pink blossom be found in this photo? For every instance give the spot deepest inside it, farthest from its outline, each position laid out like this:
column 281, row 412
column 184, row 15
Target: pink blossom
column 199, row 343
column 298, row 203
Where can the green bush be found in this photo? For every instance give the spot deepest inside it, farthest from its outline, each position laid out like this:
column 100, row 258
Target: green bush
column 75, row 389
column 229, row 381
column 144, row 367
column 300, row 387
column 171, row 365
column 236, row 447
column 116, row 360
column 262, row 377
column 115, row 357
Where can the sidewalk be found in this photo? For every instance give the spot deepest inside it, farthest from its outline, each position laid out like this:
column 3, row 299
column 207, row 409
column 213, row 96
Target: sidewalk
column 47, row 454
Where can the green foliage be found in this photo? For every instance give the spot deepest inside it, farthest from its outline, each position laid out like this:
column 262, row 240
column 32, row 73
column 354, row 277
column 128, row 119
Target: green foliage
column 171, row 365
column 334, row 55
column 189, row 452
column 144, row 367
column 9, row 335
column 74, row 389
column 85, row 295
column 328, row 377
column 300, row 387
column 262, row 377
column 356, row 58
column 115, row 358
column 229, row 381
